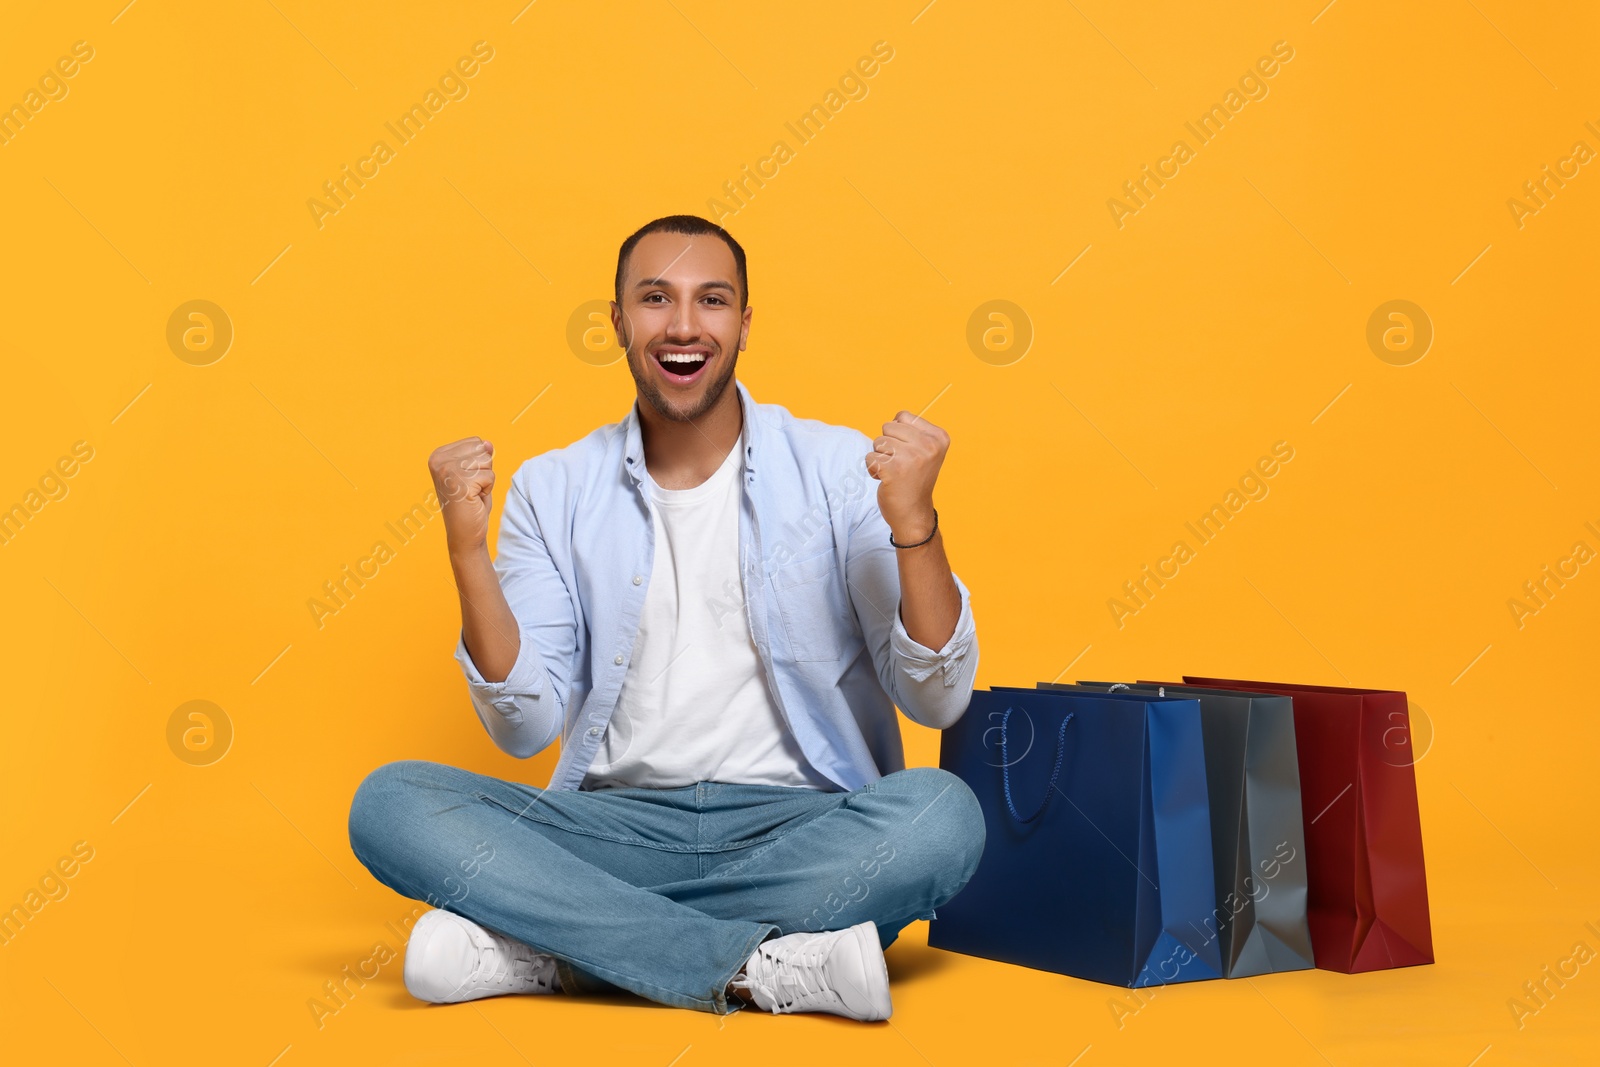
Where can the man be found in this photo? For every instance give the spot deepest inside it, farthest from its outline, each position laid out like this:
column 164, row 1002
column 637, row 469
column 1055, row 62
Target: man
column 708, row 607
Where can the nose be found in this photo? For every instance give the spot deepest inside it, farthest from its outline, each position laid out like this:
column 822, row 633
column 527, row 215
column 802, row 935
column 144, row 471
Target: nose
column 683, row 328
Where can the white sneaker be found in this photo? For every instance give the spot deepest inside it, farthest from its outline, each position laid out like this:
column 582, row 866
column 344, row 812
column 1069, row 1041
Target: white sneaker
column 450, row 959
column 841, row 972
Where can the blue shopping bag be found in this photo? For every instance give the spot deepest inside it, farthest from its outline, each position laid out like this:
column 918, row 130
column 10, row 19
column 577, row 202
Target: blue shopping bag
column 1098, row 860
column 1258, row 842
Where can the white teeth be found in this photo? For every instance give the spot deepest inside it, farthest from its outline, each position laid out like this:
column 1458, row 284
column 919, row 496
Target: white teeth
column 680, row 357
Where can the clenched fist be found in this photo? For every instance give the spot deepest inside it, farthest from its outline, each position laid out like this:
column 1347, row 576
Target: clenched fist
column 905, row 460
column 463, row 478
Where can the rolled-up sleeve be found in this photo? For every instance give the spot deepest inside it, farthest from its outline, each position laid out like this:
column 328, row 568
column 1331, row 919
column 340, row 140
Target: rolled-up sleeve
column 934, row 687
column 513, row 711
column 955, row 664
column 524, row 713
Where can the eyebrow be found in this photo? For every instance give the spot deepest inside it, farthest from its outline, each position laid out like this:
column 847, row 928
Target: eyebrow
column 647, row 283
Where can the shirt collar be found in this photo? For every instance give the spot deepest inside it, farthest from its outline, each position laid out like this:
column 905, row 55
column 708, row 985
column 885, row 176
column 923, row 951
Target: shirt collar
column 633, row 440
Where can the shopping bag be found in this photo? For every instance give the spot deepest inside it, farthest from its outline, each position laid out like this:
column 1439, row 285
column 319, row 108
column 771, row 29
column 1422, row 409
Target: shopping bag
column 1367, row 899
column 1097, row 860
column 1258, row 847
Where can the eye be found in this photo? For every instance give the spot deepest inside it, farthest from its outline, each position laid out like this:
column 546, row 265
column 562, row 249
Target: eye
column 716, row 299
column 651, row 296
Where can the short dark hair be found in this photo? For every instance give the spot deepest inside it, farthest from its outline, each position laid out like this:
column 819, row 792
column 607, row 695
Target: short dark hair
column 691, row 225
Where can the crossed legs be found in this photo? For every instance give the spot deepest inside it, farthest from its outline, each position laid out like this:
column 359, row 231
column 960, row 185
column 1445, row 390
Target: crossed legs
column 666, row 893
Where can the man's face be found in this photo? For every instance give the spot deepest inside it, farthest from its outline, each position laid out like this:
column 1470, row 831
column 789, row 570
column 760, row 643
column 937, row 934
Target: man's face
column 680, row 321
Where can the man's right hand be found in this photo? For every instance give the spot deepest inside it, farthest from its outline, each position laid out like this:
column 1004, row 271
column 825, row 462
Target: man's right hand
column 463, row 478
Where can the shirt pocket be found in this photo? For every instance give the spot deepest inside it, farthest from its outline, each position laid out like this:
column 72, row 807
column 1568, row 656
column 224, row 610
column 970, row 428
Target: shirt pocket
column 811, row 601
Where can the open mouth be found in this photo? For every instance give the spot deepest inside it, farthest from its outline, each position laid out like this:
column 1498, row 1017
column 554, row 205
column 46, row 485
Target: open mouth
column 682, row 365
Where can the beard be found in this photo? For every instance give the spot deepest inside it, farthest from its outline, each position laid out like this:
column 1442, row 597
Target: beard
column 650, row 390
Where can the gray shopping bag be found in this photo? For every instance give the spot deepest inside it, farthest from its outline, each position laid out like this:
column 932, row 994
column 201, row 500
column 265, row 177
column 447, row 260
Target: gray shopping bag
column 1257, row 834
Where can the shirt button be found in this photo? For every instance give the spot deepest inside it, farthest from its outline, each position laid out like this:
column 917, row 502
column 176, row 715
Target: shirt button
column 617, row 661
column 594, row 731
column 638, row 579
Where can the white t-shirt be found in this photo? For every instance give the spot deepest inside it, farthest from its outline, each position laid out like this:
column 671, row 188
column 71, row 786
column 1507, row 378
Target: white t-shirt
column 695, row 706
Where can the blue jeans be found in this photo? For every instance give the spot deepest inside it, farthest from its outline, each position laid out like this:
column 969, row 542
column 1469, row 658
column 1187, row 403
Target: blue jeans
column 666, row 892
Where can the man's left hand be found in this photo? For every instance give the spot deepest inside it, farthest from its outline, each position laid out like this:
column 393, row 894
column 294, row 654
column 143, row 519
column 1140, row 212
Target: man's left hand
column 905, row 460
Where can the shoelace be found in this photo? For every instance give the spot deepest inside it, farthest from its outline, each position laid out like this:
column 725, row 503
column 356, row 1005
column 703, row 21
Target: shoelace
column 789, row 978
column 509, row 962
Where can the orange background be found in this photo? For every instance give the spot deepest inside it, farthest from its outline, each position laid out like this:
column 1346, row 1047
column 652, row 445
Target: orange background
column 1230, row 312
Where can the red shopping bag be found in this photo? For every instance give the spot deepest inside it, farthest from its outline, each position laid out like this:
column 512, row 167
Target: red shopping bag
column 1367, row 895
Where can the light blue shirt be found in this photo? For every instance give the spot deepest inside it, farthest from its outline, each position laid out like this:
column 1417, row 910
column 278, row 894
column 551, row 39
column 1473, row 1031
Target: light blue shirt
column 821, row 589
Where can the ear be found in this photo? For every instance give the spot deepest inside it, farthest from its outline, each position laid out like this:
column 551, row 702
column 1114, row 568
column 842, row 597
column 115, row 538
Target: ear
column 619, row 322
column 744, row 328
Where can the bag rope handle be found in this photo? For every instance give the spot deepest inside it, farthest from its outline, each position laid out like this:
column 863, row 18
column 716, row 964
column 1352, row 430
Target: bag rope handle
column 1005, row 767
column 1161, row 690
